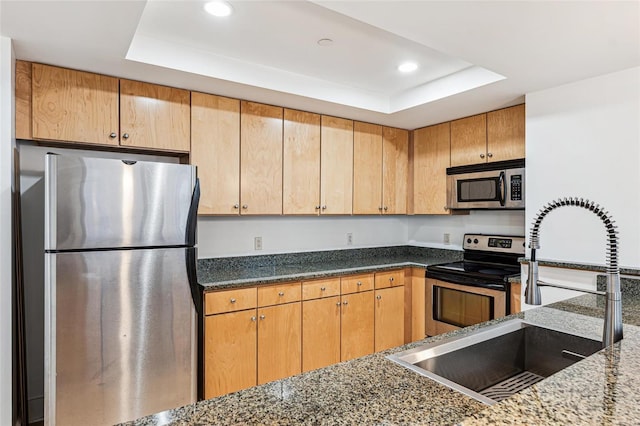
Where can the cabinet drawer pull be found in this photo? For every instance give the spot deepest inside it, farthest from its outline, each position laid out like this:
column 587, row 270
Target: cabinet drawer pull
column 233, row 300
column 391, row 279
column 359, row 283
column 323, row 289
column 281, row 293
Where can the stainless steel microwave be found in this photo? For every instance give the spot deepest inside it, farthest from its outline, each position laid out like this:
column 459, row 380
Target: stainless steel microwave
column 498, row 185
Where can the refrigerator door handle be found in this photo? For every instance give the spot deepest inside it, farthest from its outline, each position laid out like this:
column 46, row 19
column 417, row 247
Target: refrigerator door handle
column 196, row 292
column 192, row 219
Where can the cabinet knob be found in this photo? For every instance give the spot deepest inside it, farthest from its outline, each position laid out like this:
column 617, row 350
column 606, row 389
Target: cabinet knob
column 338, row 304
column 113, row 135
column 378, row 297
column 262, row 317
column 323, row 288
column 391, row 279
column 489, row 155
column 233, row 300
column 253, row 318
column 317, row 207
column 345, row 303
column 281, row 293
column 359, row 283
column 236, row 206
column 386, row 208
column 481, row 155
column 244, row 206
column 125, row 136
column 324, row 207
column 380, row 208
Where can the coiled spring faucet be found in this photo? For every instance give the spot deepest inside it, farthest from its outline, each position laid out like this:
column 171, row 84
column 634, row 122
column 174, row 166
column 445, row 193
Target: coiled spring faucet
column 613, row 305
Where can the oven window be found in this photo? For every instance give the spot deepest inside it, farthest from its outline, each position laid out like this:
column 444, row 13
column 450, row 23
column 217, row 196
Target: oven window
column 461, row 308
column 485, row 189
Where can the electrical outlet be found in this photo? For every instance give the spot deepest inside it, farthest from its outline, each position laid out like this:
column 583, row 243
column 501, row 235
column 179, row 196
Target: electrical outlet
column 349, row 239
column 446, row 238
column 257, row 243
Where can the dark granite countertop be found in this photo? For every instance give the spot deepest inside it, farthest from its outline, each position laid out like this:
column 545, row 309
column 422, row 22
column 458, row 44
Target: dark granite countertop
column 582, row 266
column 601, row 389
column 214, row 274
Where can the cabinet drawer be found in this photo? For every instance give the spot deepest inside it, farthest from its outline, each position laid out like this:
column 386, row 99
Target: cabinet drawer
column 230, row 300
column 389, row 278
column 280, row 293
column 320, row 288
column 356, row 283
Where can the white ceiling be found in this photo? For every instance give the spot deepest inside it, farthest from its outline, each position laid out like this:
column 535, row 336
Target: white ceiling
column 474, row 56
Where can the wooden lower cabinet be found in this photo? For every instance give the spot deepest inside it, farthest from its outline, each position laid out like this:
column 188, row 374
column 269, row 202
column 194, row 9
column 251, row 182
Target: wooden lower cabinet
column 230, row 345
column 357, row 325
column 389, row 318
column 320, row 333
column 279, row 342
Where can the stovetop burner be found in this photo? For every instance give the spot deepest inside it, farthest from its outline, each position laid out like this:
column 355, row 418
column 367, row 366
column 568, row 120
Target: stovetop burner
column 489, row 262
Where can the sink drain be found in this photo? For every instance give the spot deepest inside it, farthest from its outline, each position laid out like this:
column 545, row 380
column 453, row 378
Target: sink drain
column 511, row 386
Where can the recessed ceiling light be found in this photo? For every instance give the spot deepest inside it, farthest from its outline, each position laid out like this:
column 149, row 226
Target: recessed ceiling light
column 218, row 8
column 325, row 42
column 408, row 67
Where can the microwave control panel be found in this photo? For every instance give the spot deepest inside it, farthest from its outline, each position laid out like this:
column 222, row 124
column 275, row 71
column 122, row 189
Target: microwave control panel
column 516, row 187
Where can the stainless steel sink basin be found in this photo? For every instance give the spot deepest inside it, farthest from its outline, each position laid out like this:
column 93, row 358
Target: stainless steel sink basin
column 495, row 362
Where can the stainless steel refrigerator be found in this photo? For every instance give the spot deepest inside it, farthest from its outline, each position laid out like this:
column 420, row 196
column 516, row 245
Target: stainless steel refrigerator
column 121, row 297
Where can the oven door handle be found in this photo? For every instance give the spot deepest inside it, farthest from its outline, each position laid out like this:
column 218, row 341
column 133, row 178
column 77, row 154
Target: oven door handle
column 501, row 189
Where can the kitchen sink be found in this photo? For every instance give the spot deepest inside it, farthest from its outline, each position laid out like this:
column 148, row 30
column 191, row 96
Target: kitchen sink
column 496, row 362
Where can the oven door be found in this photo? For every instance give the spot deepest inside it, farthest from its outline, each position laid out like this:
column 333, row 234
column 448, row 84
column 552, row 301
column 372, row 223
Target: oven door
column 453, row 306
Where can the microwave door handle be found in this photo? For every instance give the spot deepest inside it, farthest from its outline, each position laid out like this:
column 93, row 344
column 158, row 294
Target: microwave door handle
column 501, row 188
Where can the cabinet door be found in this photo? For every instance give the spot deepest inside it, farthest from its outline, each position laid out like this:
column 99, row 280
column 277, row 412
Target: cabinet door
column 74, row 106
column 279, row 342
column 230, row 351
column 395, row 167
column 260, row 159
column 431, row 157
column 154, row 117
column 357, row 325
column 23, row 100
column 336, row 163
column 389, row 318
column 505, row 134
column 469, row 140
column 215, row 149
column 367, row 168
column 320, row 333
column 301, row 173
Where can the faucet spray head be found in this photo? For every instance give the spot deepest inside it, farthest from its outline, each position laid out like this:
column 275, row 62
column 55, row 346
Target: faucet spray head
column 532, row 294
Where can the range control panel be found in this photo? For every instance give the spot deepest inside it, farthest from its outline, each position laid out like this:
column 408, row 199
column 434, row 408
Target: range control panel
column 494, row 243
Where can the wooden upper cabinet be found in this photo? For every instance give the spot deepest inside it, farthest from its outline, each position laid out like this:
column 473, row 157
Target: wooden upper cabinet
column 215, row 149
column 260, row 158
column 367, row 168
column 23, row 100
column 336, row 165
column 154, row 117
column 395, row 169
column 431, row 157
column 74, row 106
column 301, row 169
column 505, row 134
column 469, row 140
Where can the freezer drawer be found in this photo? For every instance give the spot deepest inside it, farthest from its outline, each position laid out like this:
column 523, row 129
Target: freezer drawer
column 120, row 335
column 105, row 203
